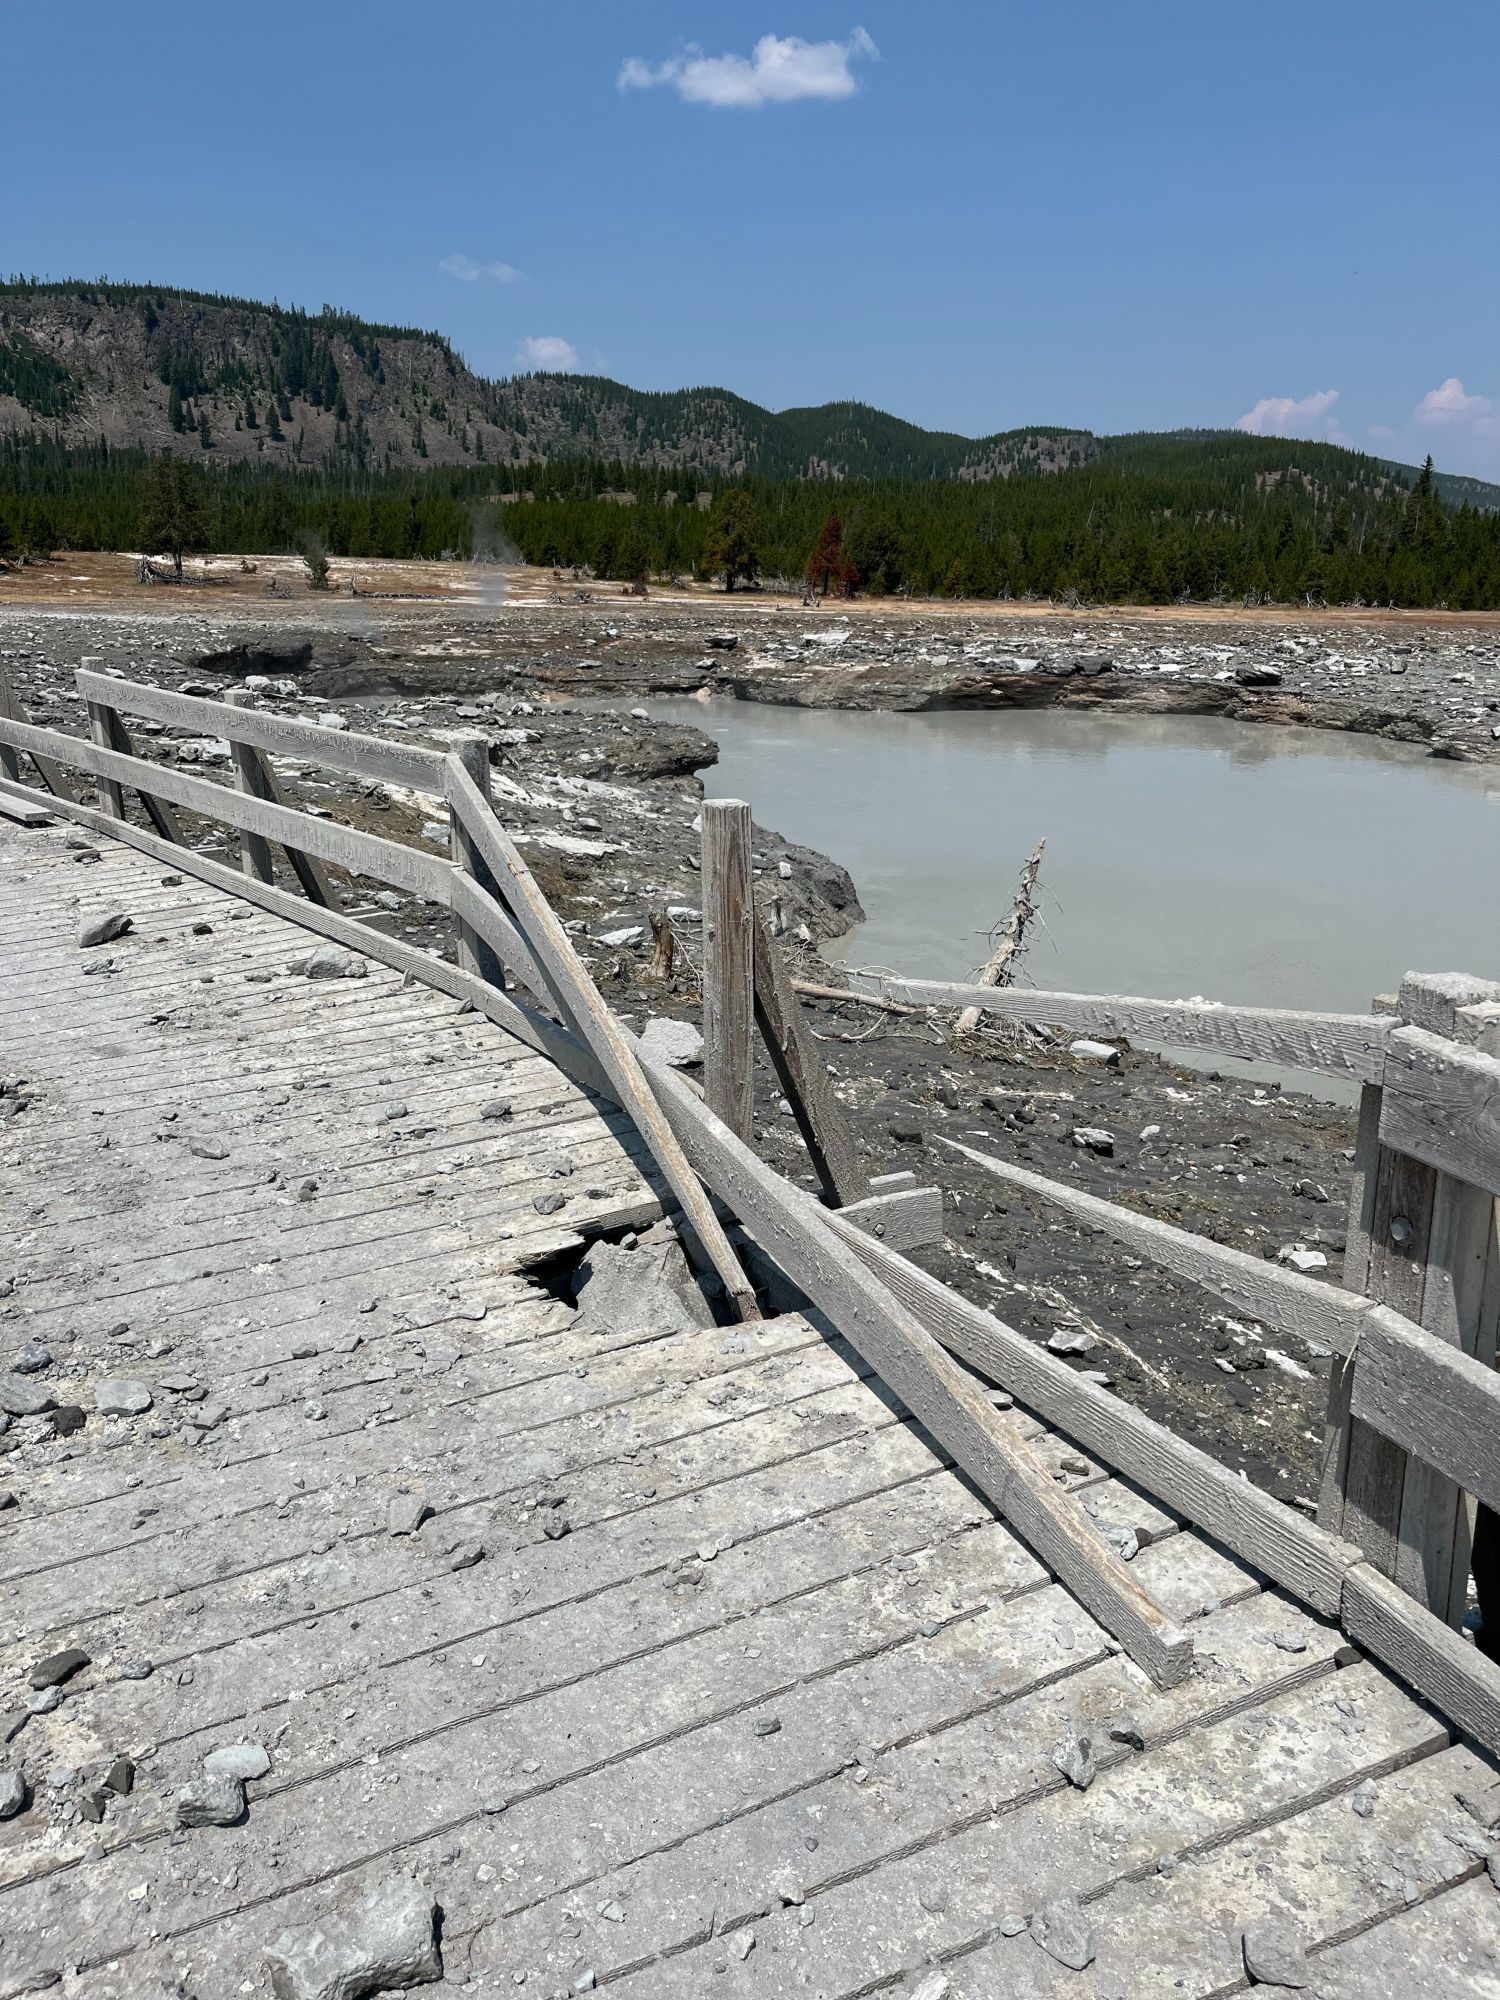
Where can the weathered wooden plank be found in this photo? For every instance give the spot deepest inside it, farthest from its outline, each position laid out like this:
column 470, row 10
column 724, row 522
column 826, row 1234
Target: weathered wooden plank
column 528, row 1026
column 54, row 778
column 1442, row 1106
column 1285, row 1300
column 406, row 764
column 804, row 1076
column 486, row 922
column 904, row 1218
column 345, row 846
column 23, row 811
column 1434, row 1399
column 1432, row 1000
column 1350, row 1045
column 1337, row 1425
column 728, row 964
column 612, row 1048
column 156, row 809
column 1277, row 1540
column 475, row 953
column 1430, row 1656
column 799, row 1236
column 250, row 777
column 111, row 795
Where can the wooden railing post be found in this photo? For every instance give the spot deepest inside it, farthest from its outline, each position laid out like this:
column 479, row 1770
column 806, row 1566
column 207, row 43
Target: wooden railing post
column 474, row 955
column 111, row 795
column 1423, row 1242
column 250, row 778
column 728, row 964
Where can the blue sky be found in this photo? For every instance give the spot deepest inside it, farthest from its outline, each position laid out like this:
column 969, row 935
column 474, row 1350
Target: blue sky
column 1128, row 215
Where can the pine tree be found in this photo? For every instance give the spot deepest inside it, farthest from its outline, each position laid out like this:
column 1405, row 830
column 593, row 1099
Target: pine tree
column 174, row 409
column 171, row 519
column 731, row 550
column 829, row 564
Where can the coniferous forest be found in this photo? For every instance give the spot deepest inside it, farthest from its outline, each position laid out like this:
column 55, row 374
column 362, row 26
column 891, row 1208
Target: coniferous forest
column 1152, row 518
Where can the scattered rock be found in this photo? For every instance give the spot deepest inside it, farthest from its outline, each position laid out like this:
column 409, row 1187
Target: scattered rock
column 1063, row 1932
column 406, row 1513
column 1071, row 1340
column 237, row 1760
column 549, row 1202
column 32, row 1359
column 20, row 1398
column 1074, row 1757
column 68, row 1418
column 12, row 1792
column 497, row 1109
column 59, row 1667
column 117, row 1396
column 676, row 1043
column 103, row 930
column 120, row 1777
column 1094, row 1139
column 216, row 1801
column 379, row 1935
column 1297, row 1257
column 1095, row 1052
column 329, row 962
column 936, row 1986
column 1274, row 1955
column 648, row 1287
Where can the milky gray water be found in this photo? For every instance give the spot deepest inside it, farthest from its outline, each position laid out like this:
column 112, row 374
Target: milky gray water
column 1185, row 855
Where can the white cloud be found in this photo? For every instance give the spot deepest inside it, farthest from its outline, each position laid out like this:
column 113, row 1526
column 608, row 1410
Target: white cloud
column 1292, row 416
column 466, row 270
column 547, row 350
column 1449, row 404
column 782, row 69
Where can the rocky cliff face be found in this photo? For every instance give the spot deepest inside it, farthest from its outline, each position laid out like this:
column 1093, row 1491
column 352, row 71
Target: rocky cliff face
column 232, row 380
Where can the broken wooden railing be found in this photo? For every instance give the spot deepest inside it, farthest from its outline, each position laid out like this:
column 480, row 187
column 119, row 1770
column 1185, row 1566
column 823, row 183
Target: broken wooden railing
column 1432, row 1106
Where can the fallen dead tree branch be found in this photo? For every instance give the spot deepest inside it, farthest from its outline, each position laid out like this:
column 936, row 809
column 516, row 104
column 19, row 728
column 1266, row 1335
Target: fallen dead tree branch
column 1001, row 968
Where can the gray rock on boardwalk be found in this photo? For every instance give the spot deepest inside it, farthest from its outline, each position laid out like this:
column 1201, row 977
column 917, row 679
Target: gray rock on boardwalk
column 22, row 1398
column 103, row 929
column 1064, row 1933
column 117, row 1396
column 211, row 1801
column 1274, row 1955
column 12, row 1793
column 379, row 1936
column 406, row 1513
column 237, row 1760
column 59, row 1667
column 676, row 1043
column 330, row 962
column 647, row 1287
column 1074, row 1757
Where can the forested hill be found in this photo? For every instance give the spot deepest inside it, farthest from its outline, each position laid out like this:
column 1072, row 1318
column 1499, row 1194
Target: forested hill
column 231, row 380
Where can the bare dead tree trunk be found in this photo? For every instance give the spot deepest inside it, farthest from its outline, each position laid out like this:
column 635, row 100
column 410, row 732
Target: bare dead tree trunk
column 1003, row 963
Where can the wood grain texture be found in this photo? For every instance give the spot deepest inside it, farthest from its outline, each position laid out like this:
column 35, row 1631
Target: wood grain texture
column 800, row 1237
column 804, row 1076
column 156, row 809
column 903, row 1218
column 337, row 749
column 1442, row 1106
column 54, row 778
column 111, row 795
column 250, row 778
column 728, row 964
column 613, row 1049
column 475, row 953
column 1347, row 1045
column 1324, row 1314
column 345, row 846
column 1427, row 1654
column 1276, row 1539
column 1433, row 1398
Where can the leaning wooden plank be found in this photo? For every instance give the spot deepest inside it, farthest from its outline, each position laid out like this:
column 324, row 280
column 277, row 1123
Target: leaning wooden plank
column 800, row 1236
column 728, row 964
column 260, row 782
column 1442, row 1105
column 1439, row 1402
column 905, row 1218
column 484, row 916
column 339, row 749
column 535, row 1030
column 54, row 777
column 804, row 1076
column 157, row 810
column 612, row 1047
column 1253, row 1525
column 1428, row 1655
column 1338, row 1424
column 1325, row 1314
column 1331, row 1044
column 23, row 811
column 345, row 846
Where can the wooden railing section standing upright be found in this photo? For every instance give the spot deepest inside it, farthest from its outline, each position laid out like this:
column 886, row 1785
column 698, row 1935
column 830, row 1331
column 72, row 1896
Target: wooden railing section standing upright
column 1414, row 1435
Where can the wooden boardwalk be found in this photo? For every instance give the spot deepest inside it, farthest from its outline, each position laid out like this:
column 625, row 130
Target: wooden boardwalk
column 778, row 1713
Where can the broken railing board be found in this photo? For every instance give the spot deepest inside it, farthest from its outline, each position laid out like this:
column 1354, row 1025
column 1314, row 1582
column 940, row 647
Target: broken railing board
column 1331, row 1044
column 254, row 776
column 1432, row 1398
column 157, row 811
column 250, row 776
column 341, row 749
column 536, row 1030
column 1441, row 1105
column 345, row 846
column 800, row 1237
column 111, row 795
column 728, row 964
column 483, row 917
column 613, row 1050
column 475, row 953
column 905, row 1218
column 1324, row 1314
column 1253, row 1525
column 803, row 1076
column 1430, row 1656
column 23, row 811
column 1434, row 1000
